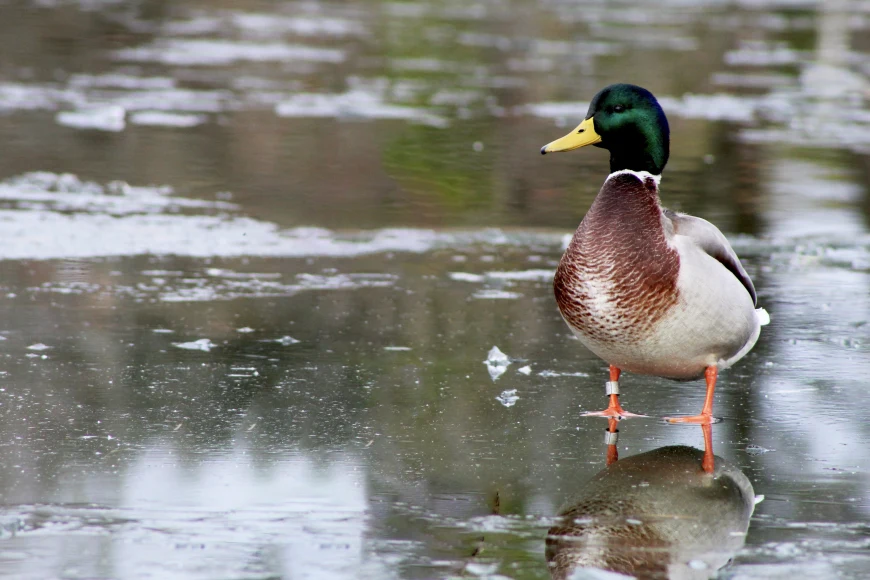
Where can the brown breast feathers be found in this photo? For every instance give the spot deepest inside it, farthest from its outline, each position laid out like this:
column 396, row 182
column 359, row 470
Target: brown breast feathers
column 618, row 276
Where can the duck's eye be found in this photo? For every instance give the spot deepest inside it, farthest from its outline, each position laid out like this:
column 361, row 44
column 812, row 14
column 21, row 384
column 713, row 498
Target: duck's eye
column 618, row 108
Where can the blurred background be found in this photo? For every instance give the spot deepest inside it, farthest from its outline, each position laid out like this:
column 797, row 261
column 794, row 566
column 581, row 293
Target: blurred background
column 254, row 254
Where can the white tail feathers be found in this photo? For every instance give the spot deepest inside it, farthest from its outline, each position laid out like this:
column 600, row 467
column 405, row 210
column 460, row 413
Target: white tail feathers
column 763, row 316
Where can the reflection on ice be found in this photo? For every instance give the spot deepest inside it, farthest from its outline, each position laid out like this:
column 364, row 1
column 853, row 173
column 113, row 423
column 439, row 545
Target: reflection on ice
column 658, row 514
column 228, row 516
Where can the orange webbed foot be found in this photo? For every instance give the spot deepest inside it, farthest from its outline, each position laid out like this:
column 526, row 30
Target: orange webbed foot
column 705, row 417
column 614, row 410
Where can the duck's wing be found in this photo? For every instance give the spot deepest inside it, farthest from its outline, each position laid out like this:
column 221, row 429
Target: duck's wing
column 709, row 239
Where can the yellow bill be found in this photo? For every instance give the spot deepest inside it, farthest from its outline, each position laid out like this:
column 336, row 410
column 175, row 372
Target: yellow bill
column 582, row 136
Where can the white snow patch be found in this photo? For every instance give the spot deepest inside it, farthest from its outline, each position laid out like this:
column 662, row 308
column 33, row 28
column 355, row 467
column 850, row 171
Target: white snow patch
column 274, row 25
column 174, row 100
column 106, row 118
column 61, row 216
column 690, row 106
column 120, row 81
column 167, row 119
column 762, row 54
column 67, row 193
column 356, row 103
column 555, row 110
column 481, row 569
column 225, row 273
column 491, row 294
column 717, row 107
column 213, row 52
column 25, row 97
column 524, row 275
column 45, row 235
column 465, row 277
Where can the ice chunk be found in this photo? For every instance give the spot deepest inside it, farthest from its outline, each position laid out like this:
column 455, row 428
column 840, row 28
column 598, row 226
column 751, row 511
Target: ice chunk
column 759, row 498
column 202, row 344
column 496, row 363
column 508, row 398
column 397, row 348
column 757, row 450
column 286, row 340
column 38, row 346
column 763, row 316
column 526, row 370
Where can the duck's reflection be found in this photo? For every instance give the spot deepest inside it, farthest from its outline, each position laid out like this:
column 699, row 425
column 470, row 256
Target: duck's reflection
column 674, row 512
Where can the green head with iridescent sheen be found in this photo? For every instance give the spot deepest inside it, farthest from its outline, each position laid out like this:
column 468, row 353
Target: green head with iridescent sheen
column 628, row 121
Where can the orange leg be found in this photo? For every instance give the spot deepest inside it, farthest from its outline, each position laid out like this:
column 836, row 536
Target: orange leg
column 612, row 451
column 708, row 464
column 614, row 410
column 706, row 416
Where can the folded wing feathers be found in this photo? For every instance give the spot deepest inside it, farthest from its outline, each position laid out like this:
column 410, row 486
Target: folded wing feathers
column 708, row 237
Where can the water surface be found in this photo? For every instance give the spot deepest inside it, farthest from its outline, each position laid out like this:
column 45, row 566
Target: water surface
column 254, row 257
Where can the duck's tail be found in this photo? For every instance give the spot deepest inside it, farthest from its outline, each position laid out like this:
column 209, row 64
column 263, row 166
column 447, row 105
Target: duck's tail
column 763, row 316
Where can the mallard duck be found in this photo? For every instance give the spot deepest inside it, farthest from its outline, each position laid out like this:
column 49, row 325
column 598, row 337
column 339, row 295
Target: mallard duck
column 649, row 290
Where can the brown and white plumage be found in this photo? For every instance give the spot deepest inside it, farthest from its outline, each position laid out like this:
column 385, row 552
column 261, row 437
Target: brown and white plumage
column 647, row 289
column 652, row 291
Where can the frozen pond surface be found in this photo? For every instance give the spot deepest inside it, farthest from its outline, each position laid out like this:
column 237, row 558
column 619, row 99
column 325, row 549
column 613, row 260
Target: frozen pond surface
column 253, row 260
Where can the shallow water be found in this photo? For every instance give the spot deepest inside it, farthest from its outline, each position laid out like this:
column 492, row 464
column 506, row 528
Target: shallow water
column 253, row 260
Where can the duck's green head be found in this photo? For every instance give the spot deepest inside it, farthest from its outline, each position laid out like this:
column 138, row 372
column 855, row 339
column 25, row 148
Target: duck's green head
column 628, row 121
